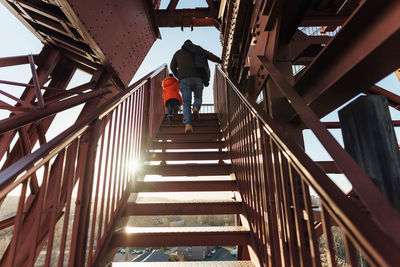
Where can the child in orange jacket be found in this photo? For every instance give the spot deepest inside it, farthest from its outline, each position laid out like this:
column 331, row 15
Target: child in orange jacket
column 172, row 96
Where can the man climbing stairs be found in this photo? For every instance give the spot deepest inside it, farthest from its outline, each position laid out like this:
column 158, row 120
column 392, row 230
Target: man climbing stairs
column 206, row 143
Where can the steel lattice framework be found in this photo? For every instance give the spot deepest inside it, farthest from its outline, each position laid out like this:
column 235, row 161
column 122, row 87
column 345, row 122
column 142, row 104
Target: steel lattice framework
column 286, row 64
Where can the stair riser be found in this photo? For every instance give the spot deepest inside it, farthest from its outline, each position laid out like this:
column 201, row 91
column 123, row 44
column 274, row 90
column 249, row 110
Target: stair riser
column 157, row 209
column 188, row 145
column 192, row 186
column 189, row 137
column 181, row 129
column 189, row 171
column 187, row 156
column 175, row 240
column 203, row 116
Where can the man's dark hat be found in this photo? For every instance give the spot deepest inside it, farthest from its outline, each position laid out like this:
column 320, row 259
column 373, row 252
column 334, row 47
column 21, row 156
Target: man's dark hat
column 187, row 43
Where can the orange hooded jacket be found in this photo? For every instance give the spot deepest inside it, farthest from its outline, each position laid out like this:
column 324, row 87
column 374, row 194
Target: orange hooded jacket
column 171, row 90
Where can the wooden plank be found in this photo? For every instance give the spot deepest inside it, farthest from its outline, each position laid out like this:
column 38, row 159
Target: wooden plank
column 369, row 137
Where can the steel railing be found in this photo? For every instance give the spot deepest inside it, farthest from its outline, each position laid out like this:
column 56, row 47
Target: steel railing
column 84, row 176
column 297, row 215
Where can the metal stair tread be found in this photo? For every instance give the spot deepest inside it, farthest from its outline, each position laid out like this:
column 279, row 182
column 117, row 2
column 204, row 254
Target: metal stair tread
column 190, row 169
column 185, row 186
column 190, row 165
column 189, row 229
column 190, row 264
column 183, row 133
column 187, row 202
column 183, row 208
column 195, row 155
column 193, row 144
column 181, row 236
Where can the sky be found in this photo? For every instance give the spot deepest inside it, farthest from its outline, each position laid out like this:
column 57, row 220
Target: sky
column 18, row 40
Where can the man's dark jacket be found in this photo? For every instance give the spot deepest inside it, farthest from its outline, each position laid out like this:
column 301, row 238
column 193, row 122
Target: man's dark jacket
column 182, row 63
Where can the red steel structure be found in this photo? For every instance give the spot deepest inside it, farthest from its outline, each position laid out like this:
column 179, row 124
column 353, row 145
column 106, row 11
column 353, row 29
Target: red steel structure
column 286, row 64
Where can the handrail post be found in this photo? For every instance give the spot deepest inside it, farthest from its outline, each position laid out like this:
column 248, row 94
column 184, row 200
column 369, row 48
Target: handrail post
column 82, row 210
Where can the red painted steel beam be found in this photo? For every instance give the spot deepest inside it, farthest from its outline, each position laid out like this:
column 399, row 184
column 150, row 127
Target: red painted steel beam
column 200, row 12
column 12, row 61
column 195, row 208
column 202, row 236
column 72, row 91
column 211, row 4
column 48, row 59
column 187, row 17
column 336, row 124
column 323, row 20
column 362, row 184
column 172, row 5
column 185, row 186
column 22, row 103
column 329, row 166
column 36, row 83
column 20, row 120
column 362, row 53
column 393, row 99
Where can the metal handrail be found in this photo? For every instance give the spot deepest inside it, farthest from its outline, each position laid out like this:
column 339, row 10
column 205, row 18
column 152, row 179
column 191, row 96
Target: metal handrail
column 275, row 177
column 64, row 138
column 93, row 156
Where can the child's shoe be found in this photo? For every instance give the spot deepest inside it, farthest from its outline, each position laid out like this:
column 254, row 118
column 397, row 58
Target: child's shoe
column 176, row 110
column 170, row 119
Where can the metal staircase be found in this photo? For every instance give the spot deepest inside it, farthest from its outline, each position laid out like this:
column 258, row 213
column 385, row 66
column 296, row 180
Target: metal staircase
column 76, row 192
column 189, row 177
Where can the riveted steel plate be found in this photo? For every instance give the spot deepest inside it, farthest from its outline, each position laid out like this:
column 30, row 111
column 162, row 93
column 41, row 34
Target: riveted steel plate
column 119, row 31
